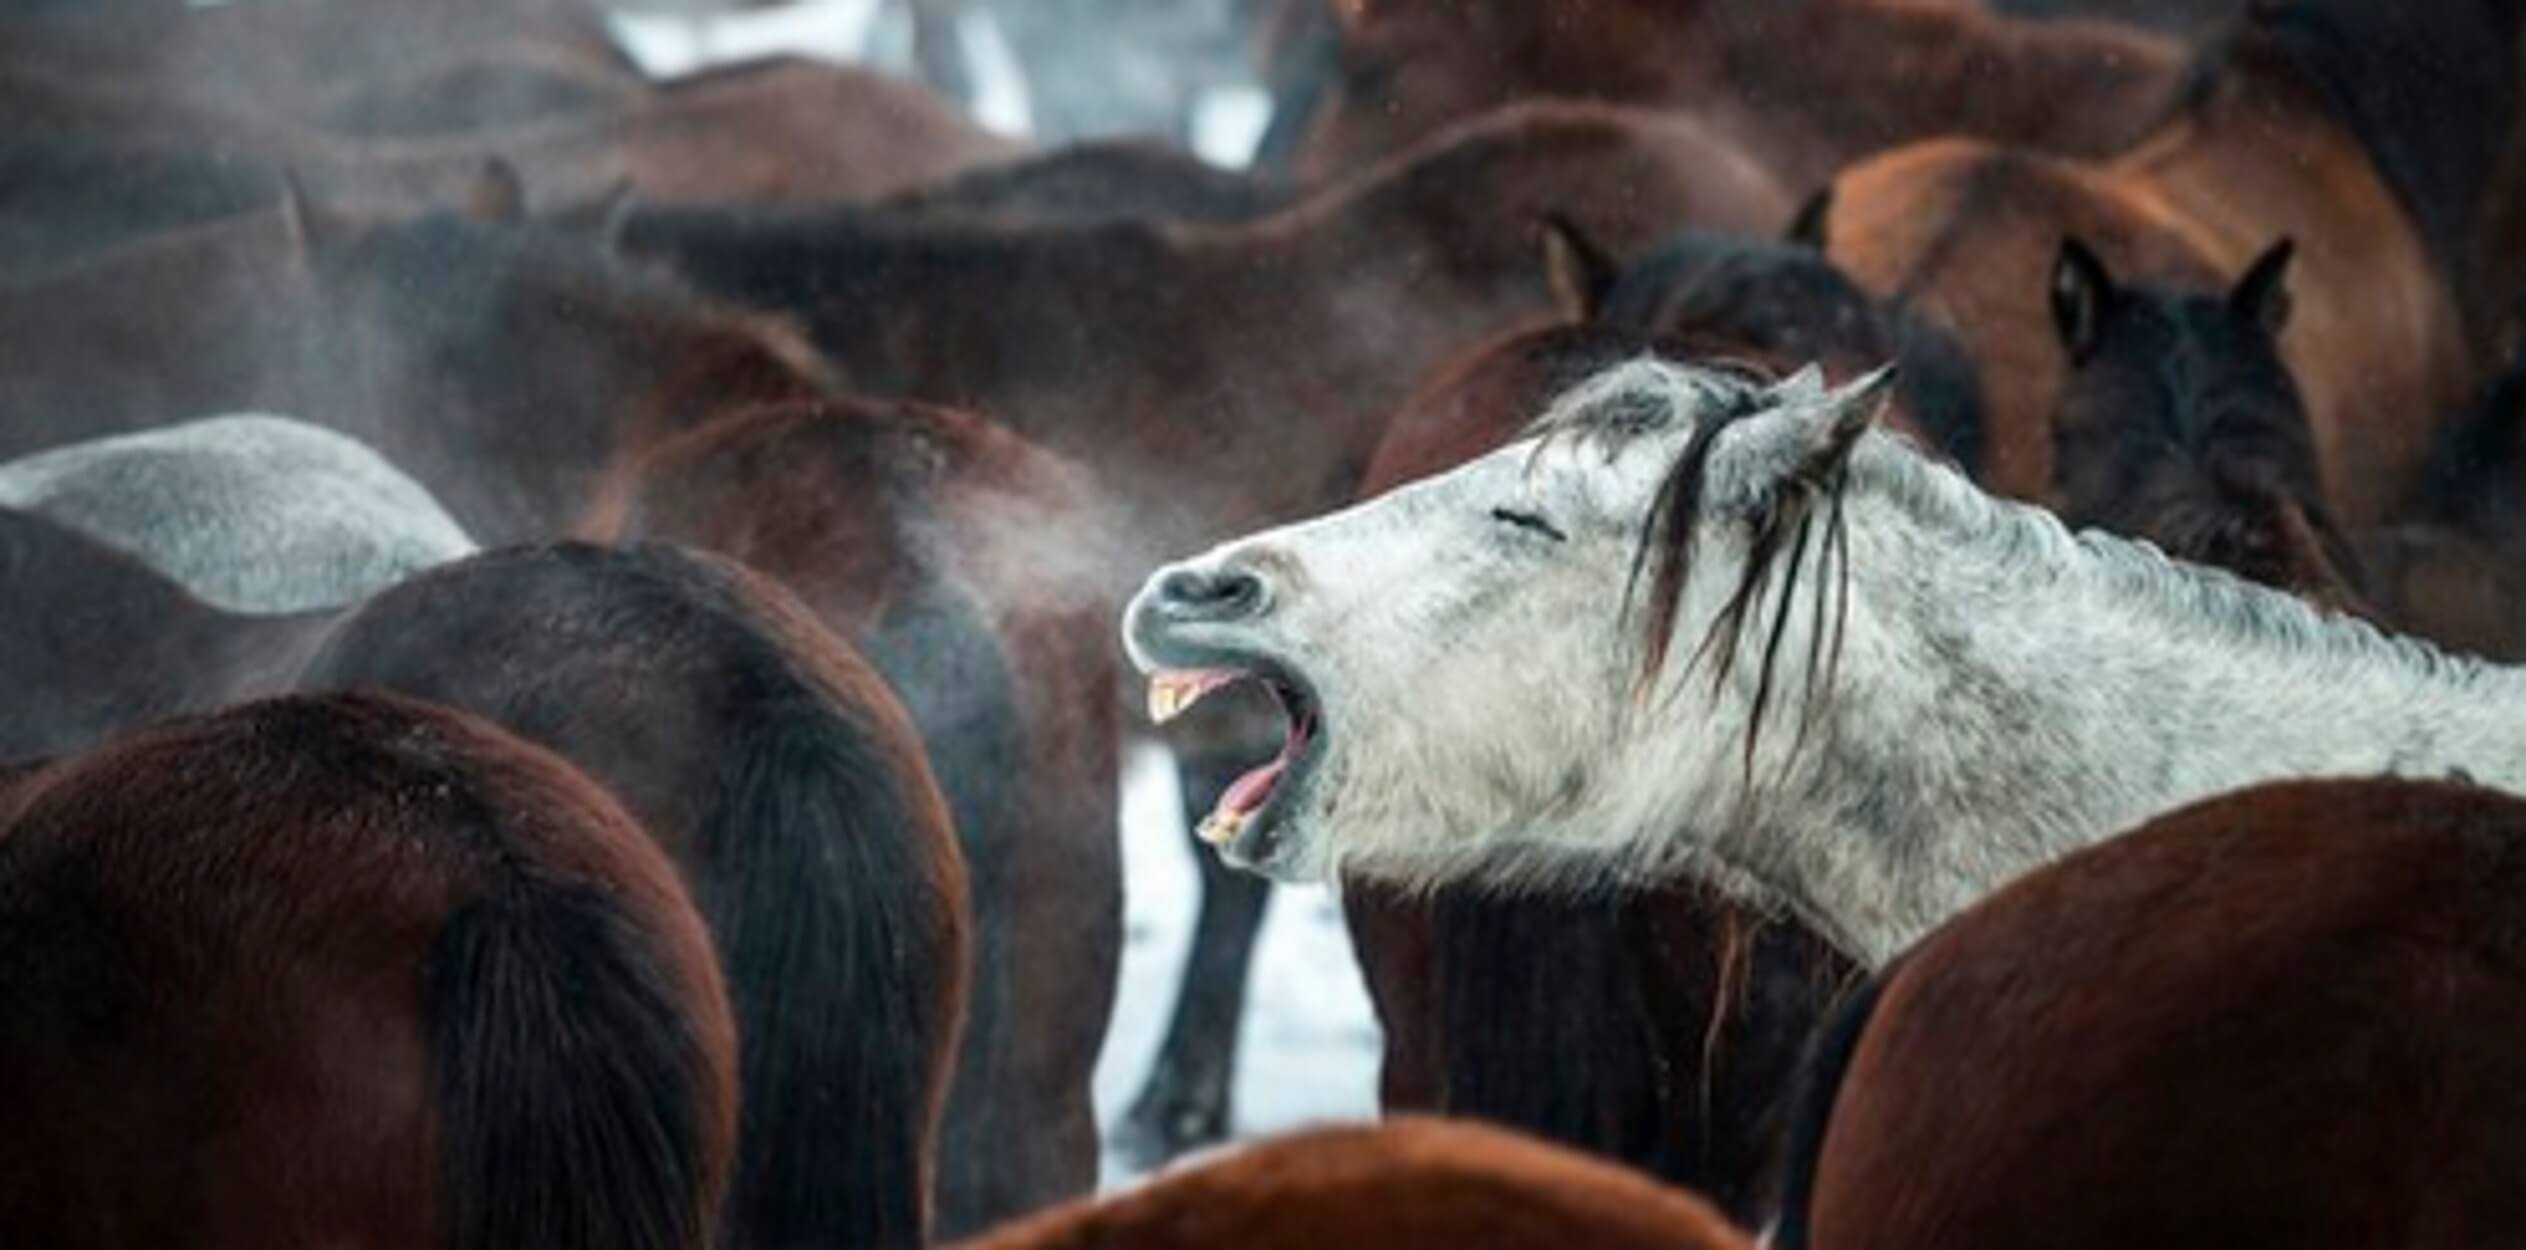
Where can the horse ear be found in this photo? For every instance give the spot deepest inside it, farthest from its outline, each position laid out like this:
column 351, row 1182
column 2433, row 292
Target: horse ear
column 2262, row 295
column 1845, row 414
column 1815, row 428
column 2081, row 292
column 1580, row 273
column 1811, row 228
column 496, row 196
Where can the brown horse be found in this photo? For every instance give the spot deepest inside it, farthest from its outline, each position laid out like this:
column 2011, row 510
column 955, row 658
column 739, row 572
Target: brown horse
column 781, row 130
column 2275, row 1018
column 777, row 770
column 2285, row 132
column 2175, row 17
column 768, row 760
column 93, row 642
column 1408, row 1184
column 2178, row 423
column 962, row 562
column 509, row 366
column 1805, row 86
column 1776, row 306
column 1178, row 360
column 2453, row 567
column 350, row 971
column 1095, row 180
column 198, row 318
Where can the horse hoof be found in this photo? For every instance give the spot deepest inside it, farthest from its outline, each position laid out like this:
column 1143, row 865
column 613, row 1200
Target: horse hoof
column 1156, row 1133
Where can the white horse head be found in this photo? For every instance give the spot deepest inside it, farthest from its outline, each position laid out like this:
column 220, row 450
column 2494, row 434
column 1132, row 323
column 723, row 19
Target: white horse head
column 1695, row 623
column 1467, row 659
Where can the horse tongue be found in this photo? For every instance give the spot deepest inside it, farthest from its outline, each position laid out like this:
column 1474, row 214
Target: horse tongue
column 1247, row 793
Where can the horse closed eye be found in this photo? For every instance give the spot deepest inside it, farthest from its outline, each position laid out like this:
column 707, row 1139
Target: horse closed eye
column 1530, row 522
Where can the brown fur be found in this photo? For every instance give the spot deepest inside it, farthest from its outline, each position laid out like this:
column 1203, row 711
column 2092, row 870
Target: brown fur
column 2275, row 1018
column 257, row 958
column 189, row 321
column 1408, row 1184
column 1806, row 86
column 1219, row 378
column 1966, row 233
column 893, row 521
column 509, row 368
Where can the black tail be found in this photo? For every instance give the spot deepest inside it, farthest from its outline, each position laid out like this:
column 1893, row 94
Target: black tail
column 840, row 936
column 569, row 1078
column 1811, row 1109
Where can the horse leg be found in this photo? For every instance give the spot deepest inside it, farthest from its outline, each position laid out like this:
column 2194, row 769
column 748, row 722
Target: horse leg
column 938, row 52
column 1186, row 1101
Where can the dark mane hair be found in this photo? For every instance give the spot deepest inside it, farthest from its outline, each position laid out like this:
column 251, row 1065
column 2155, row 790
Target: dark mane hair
column 1794, row 303
column 1620, row 405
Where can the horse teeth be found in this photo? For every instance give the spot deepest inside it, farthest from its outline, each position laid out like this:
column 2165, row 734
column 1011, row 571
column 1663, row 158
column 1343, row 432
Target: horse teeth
column 1171, row 693
column 1221, row 828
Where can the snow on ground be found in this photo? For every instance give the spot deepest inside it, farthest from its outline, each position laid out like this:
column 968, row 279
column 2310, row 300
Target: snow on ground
column 1308, row 1050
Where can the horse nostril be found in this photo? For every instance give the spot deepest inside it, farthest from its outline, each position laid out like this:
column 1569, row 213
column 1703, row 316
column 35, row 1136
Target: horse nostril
column 1217, row 595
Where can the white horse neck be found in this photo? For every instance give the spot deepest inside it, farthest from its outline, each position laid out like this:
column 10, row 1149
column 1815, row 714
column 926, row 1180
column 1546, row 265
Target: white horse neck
column 2034, row 692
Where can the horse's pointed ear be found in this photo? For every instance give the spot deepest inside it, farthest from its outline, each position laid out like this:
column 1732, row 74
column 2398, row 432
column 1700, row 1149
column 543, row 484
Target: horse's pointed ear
column 2262, row 295
column 2081, row 292
column 496, row 196
column 1849, row 411
column 1580, row 273
column 1812, row 227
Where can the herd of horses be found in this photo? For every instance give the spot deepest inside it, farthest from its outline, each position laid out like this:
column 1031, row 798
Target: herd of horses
column 1900, row 643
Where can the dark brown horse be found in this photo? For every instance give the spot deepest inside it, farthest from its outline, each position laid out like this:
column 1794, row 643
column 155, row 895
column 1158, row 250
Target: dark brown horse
column 2179, row 423
column 1408, row 1184
column 787, row 784
column 1214, row 377
column 93, row 642
column 1095, row 180
column 194, row 319
column 2308, row 120
column 768, row 760
column 508, row 366
column 1804, row 86
column 962, row 561
column 350, row 971
column 2452, row 568
column 2275, row 1018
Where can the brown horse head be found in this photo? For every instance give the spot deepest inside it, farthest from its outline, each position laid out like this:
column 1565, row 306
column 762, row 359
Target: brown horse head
column 1778, row 306
column 2180, row 423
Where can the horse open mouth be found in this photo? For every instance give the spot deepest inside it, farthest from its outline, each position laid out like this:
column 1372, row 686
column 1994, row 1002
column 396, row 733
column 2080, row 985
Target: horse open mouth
column 1252, row 800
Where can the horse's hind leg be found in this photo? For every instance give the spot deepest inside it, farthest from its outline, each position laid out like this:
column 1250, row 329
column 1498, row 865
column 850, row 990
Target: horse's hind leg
column 1185, row 1105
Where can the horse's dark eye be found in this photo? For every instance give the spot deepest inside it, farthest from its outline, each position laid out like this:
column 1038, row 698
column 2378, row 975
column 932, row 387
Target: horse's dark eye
column 1529, row 522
